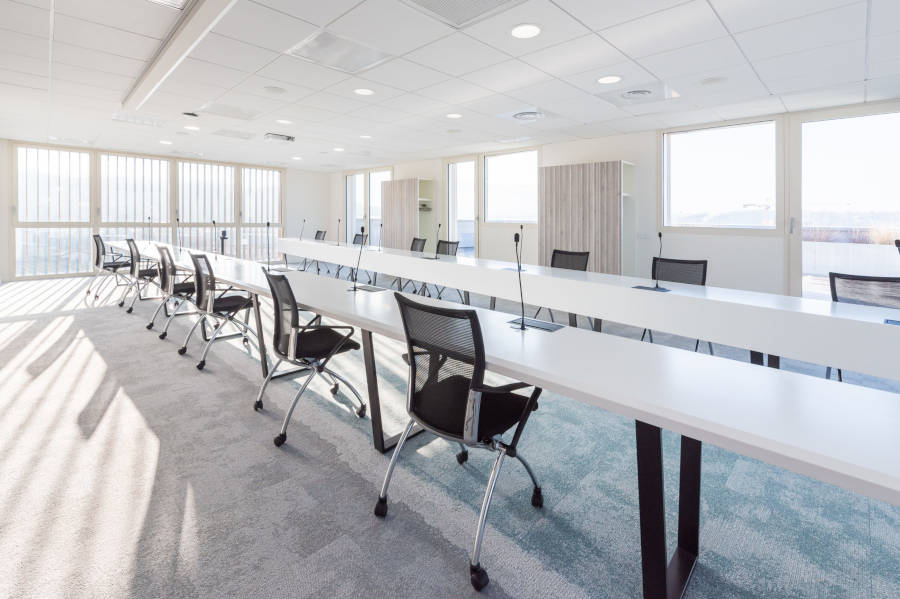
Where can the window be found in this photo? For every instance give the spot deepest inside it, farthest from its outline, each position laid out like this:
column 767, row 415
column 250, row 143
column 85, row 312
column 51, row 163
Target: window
column 376, row 178
column 206, row 194
column 134, row 198
column 461, row 205
column 261, row 196
column 356, row 205
column 53, row 234
column 511, row 187
column 720, row 177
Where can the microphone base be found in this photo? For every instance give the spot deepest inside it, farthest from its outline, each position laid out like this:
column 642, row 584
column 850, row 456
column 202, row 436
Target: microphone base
column 651, row 288
column 430, row 258
column 369, row 288
column 531, row 323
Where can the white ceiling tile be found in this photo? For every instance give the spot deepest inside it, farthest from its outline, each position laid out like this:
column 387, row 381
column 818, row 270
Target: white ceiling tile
column 416, row 104
column 405, row 75
column 552, row 122
column 379, row 114
column 719, row 85
column 631, row 73
column 24, row 19
column 249, row 103
column 741, row 15
column 23, row 79
column 347, row 87
column 556, row 27
column 690, row 117
column 634, row 124
column 261, row 26
column 91, row 77
column 591, row 130
column 137, row 16
column 390, row 26
column 457, row 54
column 303, row 114
column 676, row 27
column 24, row 64
column 332, row 102
column 885, row 17
column 505, row 76
column 455, row 91
column 86, row 91
column 103, row 38
column 821, row 29
column 826, row 97
column 232, row 53
column 600, row 14
column 192, row 89
column 300, row 72
column 201, row 71
column 575, row 56
column 883, row 88
column 843, row 63
column 585, row 109
column 499, row 104
column 705, row 56
column 547, row 92
column 24, row 45
column 884, row 55
column 740, row 110
column 316, row 12
column 95, row 59
column 273, row 89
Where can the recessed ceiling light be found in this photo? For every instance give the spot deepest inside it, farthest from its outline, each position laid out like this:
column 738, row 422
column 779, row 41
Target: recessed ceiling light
column 283, row 122
column 191, row 128
column 363, row 91
column 296, row 157
column 529, row 115
column 165, row 142
column 365, row 137
column 453, row 115
column 608, row 79
column 525, row 31
column 338, row 149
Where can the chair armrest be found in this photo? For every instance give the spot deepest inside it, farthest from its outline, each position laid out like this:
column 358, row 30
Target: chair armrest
column 504, row 388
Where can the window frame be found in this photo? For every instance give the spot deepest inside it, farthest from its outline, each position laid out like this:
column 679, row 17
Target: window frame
column 367, row 199
column 481, row 181
column 777, row 230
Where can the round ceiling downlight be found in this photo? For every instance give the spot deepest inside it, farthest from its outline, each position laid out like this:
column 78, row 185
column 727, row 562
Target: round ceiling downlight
column 609, row 79
column 525, row 31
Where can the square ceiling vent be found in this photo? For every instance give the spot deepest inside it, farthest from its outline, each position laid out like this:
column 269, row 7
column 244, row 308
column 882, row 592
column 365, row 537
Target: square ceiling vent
column 337, row 52
column 460, row 13
column 646, row 93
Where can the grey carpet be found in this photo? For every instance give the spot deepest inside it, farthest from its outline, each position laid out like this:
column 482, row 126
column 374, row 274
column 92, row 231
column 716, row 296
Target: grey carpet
column 125, row 472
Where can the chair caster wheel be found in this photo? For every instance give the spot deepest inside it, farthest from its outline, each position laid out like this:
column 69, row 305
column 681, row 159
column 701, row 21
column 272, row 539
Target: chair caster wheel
column 537, row 498
column 129, row 310
column 462, row 457
column 381, row 507
column 478, row 576
column 334, row 389
column 201, row 364
column 182, row 350
column 96, row 296
column 163, row 335
column 258, row 405
column 149, row 326
column 121, row 304
column 245, row 341
column 280, row 439
column 361, row 411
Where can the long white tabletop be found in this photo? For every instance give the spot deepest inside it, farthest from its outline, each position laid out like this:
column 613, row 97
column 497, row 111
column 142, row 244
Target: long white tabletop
column 848, row 336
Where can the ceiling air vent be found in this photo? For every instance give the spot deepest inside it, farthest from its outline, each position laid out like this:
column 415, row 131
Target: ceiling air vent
column 233, row 133
column 339, row 53
column 651, row 92
column 279, row 138
column 459, row 13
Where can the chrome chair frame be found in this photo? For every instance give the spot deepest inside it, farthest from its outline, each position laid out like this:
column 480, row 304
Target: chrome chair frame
column 105, row 268
column 172, row 290
column 142, row 272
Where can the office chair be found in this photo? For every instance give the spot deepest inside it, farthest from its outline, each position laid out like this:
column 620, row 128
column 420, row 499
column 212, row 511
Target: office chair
column 105, row 267
column 171, row 288
column 690, row 272
column 142, row 272
column 309, row 346
column 883, row 292
column 417, row 245
column 320, row 236
column 444, row 248
column 358, row 239
column 219, row 309
column 897, row 244
column 569, row 261
column 447, row 396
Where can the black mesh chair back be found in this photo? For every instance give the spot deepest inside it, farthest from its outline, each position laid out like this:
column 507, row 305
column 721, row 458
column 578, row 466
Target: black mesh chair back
column 447, row 360
column 320, row 235
column 359, row 239
column 417, row 245
column 204, row 281
column 447, row 248
column 691, row 272
column 570, row 260
column 135, row 257
column 166, row 268
column 897, row 243
column 286, row 313
column 867, row 291
column 99, row 251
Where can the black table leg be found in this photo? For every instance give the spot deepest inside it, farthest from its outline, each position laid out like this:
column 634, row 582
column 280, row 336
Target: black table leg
column 664, row 578
column 493, row 303
column 573, row 320
column 382, row 444
column 466, row 299
column 759, row 359
column 260, row 337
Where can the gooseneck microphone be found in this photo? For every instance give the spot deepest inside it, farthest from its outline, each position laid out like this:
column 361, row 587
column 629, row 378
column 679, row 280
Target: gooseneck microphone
column 362, row 230
column 302, row 226
column 268, row 248
column 380, row 234
column 178, row 231
column 215, row 236
column 516, row 238
column 656, row 269
column 339, row 232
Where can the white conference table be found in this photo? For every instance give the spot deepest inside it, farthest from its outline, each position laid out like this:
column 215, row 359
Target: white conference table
column 848, row 336
column 837, row 433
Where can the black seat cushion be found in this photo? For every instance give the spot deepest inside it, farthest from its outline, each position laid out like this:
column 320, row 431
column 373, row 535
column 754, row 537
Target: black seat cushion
column 116, row 265
column 318, row 343
column 148, row 273
column 442, row 405
column 183, row 288
column 229, row 304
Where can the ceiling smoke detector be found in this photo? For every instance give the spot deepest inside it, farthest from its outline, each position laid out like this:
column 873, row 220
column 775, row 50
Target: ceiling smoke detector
column 528, row 115
column 279, row 138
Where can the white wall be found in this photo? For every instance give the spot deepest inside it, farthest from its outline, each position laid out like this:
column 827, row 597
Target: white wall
column 307, row 195
column 6, row 208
